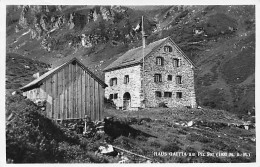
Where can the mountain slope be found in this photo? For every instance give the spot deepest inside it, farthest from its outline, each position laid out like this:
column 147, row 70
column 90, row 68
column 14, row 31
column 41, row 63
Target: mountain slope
column 219, row 39
column 20, row 70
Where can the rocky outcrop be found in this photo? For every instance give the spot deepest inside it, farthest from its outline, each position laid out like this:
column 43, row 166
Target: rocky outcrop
column 70, row 22
column 118, row 9
column 85, row 41
column 95, row 15
column 43, row 22
column 33, row 34
column 16, row 29
column 23, row 20
column 106, row 14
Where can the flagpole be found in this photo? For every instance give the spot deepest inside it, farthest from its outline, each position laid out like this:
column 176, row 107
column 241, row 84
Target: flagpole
column 143, row 42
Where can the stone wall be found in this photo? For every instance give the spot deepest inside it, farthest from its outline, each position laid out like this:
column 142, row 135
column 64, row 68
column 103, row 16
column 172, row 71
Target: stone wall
column 185, row 70
column 133, row 87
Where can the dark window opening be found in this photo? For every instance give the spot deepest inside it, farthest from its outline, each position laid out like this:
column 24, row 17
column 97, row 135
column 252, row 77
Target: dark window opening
column 169, row 78
column 159, row 61
column 158, row 94
column 167, row 94
column 179, row 95
column 167, row 49
column 178, row 79
column 126, row 79
column 111, row 96
column 113, row 81
column 157, row 78
column 176, row 63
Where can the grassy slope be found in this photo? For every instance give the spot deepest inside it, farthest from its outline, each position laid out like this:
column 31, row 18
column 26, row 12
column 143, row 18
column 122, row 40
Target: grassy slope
column 170, row 136
column 31, row 137
column 20, row 70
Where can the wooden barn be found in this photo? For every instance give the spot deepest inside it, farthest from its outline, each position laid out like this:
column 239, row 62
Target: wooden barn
column 71, row 91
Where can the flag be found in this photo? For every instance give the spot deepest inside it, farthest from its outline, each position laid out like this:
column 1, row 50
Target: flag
column 138, row 27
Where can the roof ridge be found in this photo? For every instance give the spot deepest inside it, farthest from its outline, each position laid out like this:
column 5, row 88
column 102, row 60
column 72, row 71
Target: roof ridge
column 134, row 53
column 149, row 43
column 49, row 73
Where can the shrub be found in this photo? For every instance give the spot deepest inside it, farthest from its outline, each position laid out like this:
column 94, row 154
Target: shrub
column 25, row 140
column 170, row 147
column 109, row 103
column 155, row 144
column 181, row 131
column 211, row 104
column 194, row 137
column 141, row 138
column 33, row 138
column 163, row 105
column 181, row 15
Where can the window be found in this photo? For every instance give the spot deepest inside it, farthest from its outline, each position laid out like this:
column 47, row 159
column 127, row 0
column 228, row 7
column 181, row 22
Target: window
column 179, row 95
column 111, row 96
column 169, row 78
column 158, row 94
column 126, row 79
column 167, row 94
column 176, row 63
column 113, row 81
column 178, row 79
column 159, row 61
column 167, row 49
column 158, row 78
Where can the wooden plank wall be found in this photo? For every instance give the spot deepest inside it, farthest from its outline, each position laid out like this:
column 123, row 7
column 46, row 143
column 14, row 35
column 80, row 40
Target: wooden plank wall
column 71, row 93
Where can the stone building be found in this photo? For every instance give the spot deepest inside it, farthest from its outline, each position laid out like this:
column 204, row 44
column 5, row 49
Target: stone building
column 167, row 77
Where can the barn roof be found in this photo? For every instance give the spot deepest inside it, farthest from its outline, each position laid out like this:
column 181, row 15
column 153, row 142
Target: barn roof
column 135, row 56
column 48, row 74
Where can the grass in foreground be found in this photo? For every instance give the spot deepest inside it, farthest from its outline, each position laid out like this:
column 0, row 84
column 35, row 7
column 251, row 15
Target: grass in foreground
column 169, row 133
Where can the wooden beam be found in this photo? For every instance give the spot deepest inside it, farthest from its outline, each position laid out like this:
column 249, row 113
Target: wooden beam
column 87, row 92
column 83, row 93
column 96, row 102
column 70, row 94
column 79, row 90
column 131, row 152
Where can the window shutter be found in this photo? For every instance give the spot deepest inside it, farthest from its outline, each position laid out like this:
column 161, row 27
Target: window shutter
column 111, row 83
column 162, row 61
column 160, row 78
column 179, row 63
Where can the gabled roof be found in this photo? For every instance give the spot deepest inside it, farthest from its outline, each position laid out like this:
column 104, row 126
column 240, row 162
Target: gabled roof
column 135, row 56
column 48, row 74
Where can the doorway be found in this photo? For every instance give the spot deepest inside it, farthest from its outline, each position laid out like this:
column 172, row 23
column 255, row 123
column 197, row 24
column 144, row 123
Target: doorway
column 126, row 101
